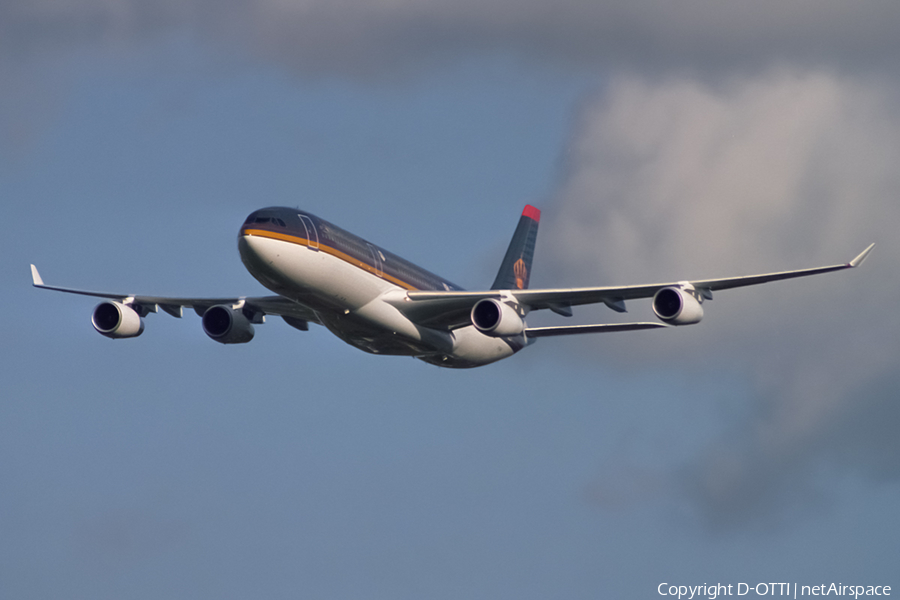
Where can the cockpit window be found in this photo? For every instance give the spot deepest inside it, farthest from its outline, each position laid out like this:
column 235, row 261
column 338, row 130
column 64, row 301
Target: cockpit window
column 274, row 220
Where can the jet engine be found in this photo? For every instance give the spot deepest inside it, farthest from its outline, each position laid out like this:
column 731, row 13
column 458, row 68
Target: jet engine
column 116, row 320
column 677, row 306
column 227, row 325
column 494, row 318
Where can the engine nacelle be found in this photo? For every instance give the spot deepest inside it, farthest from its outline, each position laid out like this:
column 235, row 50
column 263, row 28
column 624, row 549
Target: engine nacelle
column 494, row 318
column 116, row 320
column 227, row 325
column 676, row 306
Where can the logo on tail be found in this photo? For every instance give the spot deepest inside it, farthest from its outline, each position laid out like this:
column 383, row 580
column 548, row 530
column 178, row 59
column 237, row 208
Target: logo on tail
column 521, row 272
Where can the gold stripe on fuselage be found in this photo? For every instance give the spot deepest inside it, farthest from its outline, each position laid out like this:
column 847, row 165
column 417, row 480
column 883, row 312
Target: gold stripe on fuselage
column 300, row 241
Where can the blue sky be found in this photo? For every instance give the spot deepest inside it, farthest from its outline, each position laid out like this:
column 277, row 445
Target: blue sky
column 757, row 446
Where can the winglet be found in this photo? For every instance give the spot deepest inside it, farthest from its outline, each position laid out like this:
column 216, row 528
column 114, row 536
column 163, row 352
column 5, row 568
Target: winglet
column 36, row 277
column 862, row 256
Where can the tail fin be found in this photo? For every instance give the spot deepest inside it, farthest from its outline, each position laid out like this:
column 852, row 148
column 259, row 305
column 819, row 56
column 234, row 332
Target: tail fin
column 516, row 267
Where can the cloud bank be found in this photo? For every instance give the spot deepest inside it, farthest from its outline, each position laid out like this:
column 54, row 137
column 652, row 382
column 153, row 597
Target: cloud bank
column 789, row 169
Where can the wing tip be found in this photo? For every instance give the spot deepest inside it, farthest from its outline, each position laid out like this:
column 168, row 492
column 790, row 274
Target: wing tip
column 36, row 277
column 862, row 256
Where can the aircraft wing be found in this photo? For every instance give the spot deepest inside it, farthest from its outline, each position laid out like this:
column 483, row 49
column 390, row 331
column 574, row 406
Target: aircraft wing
column 263, row 305
column 451, row 309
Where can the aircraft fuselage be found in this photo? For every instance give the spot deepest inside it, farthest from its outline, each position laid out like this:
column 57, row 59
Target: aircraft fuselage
column 346, row 281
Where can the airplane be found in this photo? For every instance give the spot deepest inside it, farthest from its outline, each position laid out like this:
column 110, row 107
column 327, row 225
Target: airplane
column 383, row 304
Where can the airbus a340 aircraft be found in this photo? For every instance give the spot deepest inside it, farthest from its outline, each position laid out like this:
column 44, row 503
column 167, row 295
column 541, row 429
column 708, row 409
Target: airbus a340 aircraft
column 383, row 304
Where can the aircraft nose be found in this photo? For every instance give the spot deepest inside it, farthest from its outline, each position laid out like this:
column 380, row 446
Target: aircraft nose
column 248, row 247
column 256, row 235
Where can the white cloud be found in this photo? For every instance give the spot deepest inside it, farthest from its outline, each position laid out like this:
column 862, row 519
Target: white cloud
column 681, row 179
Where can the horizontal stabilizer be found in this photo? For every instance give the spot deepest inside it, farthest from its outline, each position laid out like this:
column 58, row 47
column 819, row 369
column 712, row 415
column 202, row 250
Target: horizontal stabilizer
column 536, row 332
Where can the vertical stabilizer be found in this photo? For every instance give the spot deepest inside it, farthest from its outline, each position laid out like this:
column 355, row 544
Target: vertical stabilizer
column 516, row 268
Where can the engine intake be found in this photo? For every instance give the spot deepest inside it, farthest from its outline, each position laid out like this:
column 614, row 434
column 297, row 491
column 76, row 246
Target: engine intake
column 116, row 320
column 676, row 306
column 494, row 318
column 227, row 325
